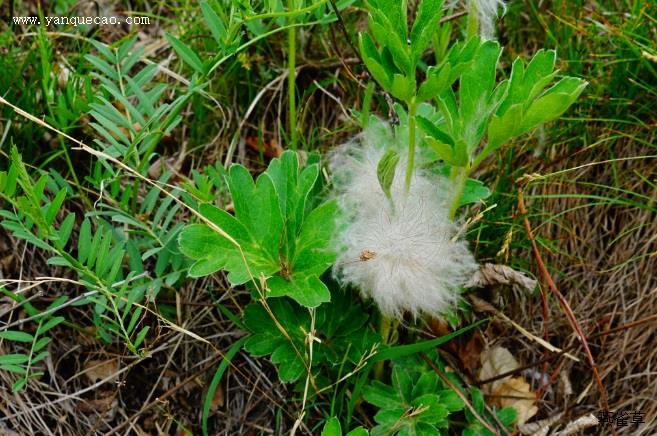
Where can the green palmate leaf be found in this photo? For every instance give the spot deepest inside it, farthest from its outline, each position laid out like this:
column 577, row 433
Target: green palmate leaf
column 275, row 233
column 414, row 403
column 309, row 291
column 267, row 339
column 293, row 189
column 341, row 325
column 312, row 255
column 402, row 87
column 400, row 53
column 392, row 35
column 214, row 252
column 441, row 142
column 257, row 208
column 385, row 170
column 504, row 127
column 536, row 80
column 461, row 55
column 443, row 150
column 311, row 259
column 393, row 15
column 449, row 109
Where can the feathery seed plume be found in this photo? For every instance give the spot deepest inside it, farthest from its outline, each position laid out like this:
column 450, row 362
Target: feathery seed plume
column 399, row 251
column 487, row 14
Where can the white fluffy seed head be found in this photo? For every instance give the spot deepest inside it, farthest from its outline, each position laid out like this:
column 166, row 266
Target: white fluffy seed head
column 399, row 251
column 487, row 14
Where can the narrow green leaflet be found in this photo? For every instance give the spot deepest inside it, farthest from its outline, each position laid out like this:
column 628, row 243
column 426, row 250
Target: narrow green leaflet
column 185, row 53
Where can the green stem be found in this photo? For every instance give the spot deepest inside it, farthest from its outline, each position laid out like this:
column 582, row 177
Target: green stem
column 472, row 23
column 291, row 12
column 386, row 328
column 461, row 179
column 291, row 79
column 411, row 143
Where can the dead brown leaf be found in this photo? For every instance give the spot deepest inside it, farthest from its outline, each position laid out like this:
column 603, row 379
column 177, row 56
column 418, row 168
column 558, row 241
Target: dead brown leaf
column 97, row 370
column 270, row 148
column 509, row 391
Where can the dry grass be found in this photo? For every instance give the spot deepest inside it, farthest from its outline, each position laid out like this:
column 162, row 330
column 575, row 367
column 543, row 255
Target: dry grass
column 598, row 228
column 92, row 388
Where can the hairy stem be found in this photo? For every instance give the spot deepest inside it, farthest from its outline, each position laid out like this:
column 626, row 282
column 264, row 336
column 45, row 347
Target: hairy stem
column 411, row 143
column 387, row 328
column 461, row 178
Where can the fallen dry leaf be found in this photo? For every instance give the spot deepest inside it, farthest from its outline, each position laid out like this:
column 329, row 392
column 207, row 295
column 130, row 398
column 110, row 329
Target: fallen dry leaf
column 490, row 275
column 496, row 361
column 217, row 399
column 508, row 391
column 97, row 370
column 470, row 353
column 516, row 393
column 270, row 148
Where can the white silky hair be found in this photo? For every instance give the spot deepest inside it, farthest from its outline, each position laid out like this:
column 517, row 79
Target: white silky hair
column 487, row 15
column 399, row 251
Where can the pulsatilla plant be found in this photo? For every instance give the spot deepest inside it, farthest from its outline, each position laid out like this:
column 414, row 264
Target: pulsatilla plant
column 482, row 115
column 485, row 115
column 393, row 55
column 460, row 126
column 276, row 233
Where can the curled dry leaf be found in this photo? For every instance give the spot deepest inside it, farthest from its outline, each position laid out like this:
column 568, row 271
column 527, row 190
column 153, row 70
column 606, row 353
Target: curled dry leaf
column 508, row 391
column 539, row 427
column 581, row 423
column 490, row 274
